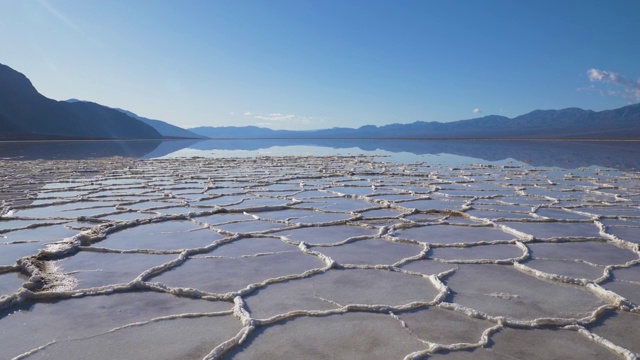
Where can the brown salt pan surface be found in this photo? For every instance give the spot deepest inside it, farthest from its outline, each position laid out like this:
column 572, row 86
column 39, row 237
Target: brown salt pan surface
column 343, row 336
column 302, row 216
column 501, row 290
column 190, row 338
column 370, row 252
column 572, row 269
column 448, row 234
column 626, row 283
column 19, row 243
column 69, row 320
column 601, row 253
column 546, row 230
column 535, row 344
column 338, row 288
column 620, row 327
column 325, row 235
column 93, row 269
column 252, row 246
column 161, row 236
column 443, row 326
column 10, row 282
column 315, row 258
column 221, row 275
column 492, row 252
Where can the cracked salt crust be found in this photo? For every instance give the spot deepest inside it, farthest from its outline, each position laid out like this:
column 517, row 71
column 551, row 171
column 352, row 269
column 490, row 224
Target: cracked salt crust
column 316, row 257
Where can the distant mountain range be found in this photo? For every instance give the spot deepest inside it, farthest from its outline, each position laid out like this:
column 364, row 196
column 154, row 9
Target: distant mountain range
column 167, row 130
column 25, row 114
column 571, row 123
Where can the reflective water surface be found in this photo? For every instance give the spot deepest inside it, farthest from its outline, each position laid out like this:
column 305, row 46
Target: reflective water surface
column 563, row 154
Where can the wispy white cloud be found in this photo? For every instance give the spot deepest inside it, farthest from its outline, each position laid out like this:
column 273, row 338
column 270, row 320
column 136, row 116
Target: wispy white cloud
column 248, row 113
column 477, row 111
column 275, row 117
column 630, row 89
column 279, row 117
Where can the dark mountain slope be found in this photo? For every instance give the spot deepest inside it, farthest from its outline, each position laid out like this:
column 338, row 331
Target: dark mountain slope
column 26, row 114
column 165, row 129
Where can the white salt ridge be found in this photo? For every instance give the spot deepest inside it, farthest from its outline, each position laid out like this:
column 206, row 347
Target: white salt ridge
column 168, row 191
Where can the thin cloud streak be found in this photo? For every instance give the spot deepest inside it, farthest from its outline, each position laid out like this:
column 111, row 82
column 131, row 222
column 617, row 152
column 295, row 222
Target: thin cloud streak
column 60, row 16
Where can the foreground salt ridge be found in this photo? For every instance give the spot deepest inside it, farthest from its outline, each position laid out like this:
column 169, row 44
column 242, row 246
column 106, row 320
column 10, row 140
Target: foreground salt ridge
column 343, row 191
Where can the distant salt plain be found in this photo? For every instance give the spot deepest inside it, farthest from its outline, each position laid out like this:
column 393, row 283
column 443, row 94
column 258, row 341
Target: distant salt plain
column 317, row 257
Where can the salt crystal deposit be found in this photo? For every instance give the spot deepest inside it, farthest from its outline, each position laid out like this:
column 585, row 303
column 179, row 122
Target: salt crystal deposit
column 316, row 258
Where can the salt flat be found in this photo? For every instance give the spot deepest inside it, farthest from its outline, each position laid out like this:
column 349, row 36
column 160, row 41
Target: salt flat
column 316, row 257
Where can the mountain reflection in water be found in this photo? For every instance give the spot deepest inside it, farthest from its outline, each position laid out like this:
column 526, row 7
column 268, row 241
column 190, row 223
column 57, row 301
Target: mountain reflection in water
column 563, row 154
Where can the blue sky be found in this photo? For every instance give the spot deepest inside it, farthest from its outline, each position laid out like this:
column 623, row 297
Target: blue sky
column 320, row 64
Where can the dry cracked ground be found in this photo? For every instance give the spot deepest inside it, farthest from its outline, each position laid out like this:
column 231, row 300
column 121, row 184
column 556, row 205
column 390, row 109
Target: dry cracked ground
column 316, row 258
